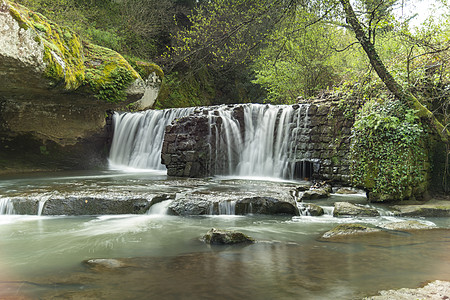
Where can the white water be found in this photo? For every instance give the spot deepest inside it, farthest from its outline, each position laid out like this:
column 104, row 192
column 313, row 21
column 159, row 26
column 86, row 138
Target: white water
column 268, row 145
column 6, row 207
column 263, row 144
column 159, row 209
column 138, row 138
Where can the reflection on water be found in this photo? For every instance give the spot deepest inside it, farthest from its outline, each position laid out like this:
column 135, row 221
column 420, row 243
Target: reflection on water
column 40, row 257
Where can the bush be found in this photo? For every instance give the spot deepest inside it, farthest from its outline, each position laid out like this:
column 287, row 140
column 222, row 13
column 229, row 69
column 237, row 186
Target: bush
column 388, row 151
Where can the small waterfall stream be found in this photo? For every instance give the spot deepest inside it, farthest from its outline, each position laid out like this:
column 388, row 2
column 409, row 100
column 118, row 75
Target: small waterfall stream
column 138, row 137
column 6, row 207
column 264, row 145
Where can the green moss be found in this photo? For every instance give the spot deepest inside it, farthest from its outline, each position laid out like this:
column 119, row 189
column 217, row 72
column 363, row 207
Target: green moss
column 16, row 15
column 71, row 63
column 389, row 152
column 40, row 27
column 108, row 74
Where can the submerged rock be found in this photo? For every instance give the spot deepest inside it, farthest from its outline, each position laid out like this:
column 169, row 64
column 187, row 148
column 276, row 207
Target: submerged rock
column 266, row 206
column 349, row 229
column 226, row 237
column 104, row 263
column 345, row 209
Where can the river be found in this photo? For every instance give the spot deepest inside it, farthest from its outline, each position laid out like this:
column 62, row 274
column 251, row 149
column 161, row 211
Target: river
column 162, row 257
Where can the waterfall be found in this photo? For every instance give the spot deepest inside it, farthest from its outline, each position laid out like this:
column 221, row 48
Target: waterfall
column 138, row 138
column 264, row 145
column 6, row 207
column 247, row 140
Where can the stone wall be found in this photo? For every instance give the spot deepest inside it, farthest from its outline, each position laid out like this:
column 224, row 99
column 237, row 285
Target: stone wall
column 321, row 151
column 326, row 143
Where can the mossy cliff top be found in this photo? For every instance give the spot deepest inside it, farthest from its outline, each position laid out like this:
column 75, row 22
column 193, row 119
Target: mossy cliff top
column 71, row 63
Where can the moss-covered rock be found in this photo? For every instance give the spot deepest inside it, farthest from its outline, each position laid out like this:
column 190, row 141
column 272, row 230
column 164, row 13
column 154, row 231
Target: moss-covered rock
column 69, row 63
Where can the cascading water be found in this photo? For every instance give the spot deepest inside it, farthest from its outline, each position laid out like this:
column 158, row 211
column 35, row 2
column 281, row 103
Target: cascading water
column 266, row 146
column 6, row 207
column 138, row 138
column 245, row 140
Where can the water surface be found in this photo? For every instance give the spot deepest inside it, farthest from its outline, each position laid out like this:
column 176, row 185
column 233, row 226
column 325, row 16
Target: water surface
column 41, row 257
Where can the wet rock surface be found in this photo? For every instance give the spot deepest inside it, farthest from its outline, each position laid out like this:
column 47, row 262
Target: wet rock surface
column 407, row 225
column 226, row 237
column 267, row 206
column 428, row 209
column 348, row 230
column 346, row 209
column 311, row 210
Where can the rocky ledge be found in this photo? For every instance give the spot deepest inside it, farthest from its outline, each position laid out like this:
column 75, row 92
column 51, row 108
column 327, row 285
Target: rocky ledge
column 55, row 93
column 433, row 208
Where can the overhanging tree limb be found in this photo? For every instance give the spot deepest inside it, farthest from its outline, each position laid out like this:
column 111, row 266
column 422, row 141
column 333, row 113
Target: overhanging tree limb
column 386, row 76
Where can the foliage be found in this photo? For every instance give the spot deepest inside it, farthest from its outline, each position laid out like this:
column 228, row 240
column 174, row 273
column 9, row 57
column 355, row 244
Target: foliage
column 302, row 66
column 177, row 91
column 388, row 150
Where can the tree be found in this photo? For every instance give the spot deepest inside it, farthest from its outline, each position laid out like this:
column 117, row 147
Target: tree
column 393, row 86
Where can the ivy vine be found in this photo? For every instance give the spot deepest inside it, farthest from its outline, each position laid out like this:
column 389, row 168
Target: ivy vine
column 388, row 150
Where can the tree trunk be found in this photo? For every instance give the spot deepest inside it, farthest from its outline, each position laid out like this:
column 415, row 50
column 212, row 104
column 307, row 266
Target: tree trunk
column 387, row 78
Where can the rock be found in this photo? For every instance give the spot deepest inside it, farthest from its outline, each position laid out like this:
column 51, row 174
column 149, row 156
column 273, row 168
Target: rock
column 429, row 210
column 302, row 188
column 346, row 191
column 266, row 206
column 348, row 229
column 104, row 263
column 226, row 237
column 190, row 207
column 314, row 210
column 52, row 81
column 407, row 225
column 314, row 194
column 76, row 206
column 345, row 209
column 436, row 290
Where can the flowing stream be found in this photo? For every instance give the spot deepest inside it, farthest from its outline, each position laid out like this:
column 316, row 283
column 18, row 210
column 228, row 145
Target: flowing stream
column 163, row 257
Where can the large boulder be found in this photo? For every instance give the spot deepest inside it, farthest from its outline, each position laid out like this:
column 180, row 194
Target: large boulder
column 55, row 93
column 346, row 209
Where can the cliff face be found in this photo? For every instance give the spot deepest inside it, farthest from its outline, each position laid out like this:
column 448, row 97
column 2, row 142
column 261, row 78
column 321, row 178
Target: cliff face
column 55, row 92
